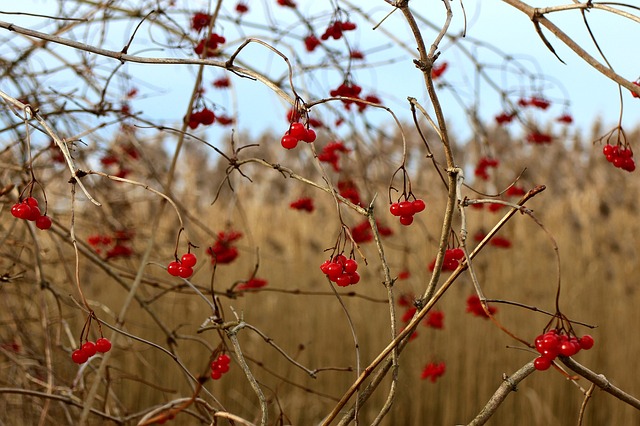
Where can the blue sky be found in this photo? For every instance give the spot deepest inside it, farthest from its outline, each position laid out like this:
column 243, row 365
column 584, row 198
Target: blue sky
column 590, row 95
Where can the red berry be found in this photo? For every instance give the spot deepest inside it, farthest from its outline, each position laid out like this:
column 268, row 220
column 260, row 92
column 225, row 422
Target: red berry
column 32, row 202
column 297, row 130
column 222, row 368
column 417, row 206
column 405, row 208
column 173, row 269
column 324, row 267
column 551, row 353
column 224, row 359
column 541, row 363
column 19, row 209
column 79, row 356
column 567, row 349
column 207, row 116
column 586, row 342
column 350, row 266
column 43, row 222
column 354, row 278
column 184, row 271
column 457, row 253
column 89, row 349
column 289, row 142
column 309, row 136
column 103, row 345
column 406, row 220
column 216, row 374
column 340, row 259
column 188, row 259
column 395, row 209
column 343, row 280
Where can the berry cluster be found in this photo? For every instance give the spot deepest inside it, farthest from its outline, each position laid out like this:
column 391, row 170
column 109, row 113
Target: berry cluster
column 336, row 29
column 341, row 270
column 621, row 158
column 433, row 371
column 406, row 209
column 223, row 251
column 553, row 343
column 106, row 242
column 438, row 70
column 501, row 242
column 221, row 83
column 89, row 349
column 362, row 233
column 311, row 42
column 348, row 90
column 199, row 21
column 474, row 306
column 329, row 154
column 287, row 3
column 452, row 258
column 183, row 268
column 304, row 203
column 253, row 283
column 539, row 138
column 349, row 190
column 482, row 166
column 28, row 210
column 504, row 118
column 204, row 116
column 534, row 101
column 220, row 366
column 210, row 46
column 297, row 132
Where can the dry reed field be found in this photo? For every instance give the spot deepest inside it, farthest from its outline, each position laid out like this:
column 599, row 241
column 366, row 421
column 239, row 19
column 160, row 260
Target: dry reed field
column 287, row 212
column 594, row 228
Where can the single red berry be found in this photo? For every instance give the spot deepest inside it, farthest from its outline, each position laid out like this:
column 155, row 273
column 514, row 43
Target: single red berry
column 174, row 268
column 79, row 356
column 289, row 142
column 324, row 267
column 586, row 342
column 309, row 136
column 89, row 349
column 32, row 202
column 207, row 116
column 224, row 359
column 20, row 210
column 297, row 130
column 223, row 368
column 567, row 349
column 43, row 222
column 350, row 266
column 184, row 271
column 188, row 259
column 343, row 280
column 103, row 345
column 541, row 363
column 216, row 374
column 406, row 220
column 354, row 278
column 550, row 353
column 395, row 209
column 340, row 259
column 417, row 206
column 405, row 208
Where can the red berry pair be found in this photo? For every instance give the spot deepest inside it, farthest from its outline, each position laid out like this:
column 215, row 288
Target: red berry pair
column 89, row 349
column 184, row 267
column 621, row 158
column 220, row 366
column 297, row 132
column 205, row 117
column 552, row 343
column 452, row 258
column 406, row 209
column 304, row 203
column 341, row 270
column 28, row 210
